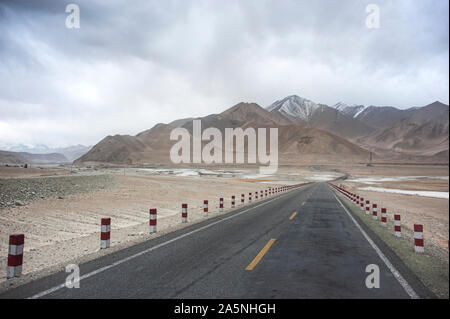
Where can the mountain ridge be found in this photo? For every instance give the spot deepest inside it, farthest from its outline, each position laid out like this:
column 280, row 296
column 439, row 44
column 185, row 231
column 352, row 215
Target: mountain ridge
column 319, row 131
column 296, row 142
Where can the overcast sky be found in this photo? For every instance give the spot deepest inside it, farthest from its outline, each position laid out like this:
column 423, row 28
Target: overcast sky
column 132, row 64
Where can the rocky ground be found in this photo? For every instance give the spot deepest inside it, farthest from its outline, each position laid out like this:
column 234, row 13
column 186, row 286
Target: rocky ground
column 19, row 192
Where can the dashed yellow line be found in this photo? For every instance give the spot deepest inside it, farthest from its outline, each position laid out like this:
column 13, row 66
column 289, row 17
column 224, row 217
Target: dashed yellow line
column 293, row 215
column 260, row 255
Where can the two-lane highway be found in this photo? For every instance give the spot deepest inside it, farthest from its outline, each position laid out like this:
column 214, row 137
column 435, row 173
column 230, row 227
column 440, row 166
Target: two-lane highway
column 302, row 244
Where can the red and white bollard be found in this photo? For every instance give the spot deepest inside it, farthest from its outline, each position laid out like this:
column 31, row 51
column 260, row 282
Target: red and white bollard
column 205, row 208
column 374, row 211
column 383, row 217
column 233, row 201
column 367, row 207
column 105, row 235
column 249, row 197
column 15, row 255
column 152, row 221
column 242, row 199
column 357, row 200
column 397, row 226
column 266, row 193
column 262, row 194
column 221, row 204
column 256, row 195
column 361, row 203
column 418, row 238
column 184, row 213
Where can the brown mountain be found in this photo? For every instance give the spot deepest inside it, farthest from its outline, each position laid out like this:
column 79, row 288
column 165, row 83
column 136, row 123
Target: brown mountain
column 414, row 134
column 420, row 132
column 383, row 116
column 242, row 114
column 305, row 112
column 306, row 144
column 297, row 144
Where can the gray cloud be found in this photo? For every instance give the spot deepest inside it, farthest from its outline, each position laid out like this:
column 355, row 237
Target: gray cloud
column 133, row 64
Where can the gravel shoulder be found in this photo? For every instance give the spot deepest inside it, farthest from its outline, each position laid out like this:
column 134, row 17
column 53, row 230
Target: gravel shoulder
column 21, row 191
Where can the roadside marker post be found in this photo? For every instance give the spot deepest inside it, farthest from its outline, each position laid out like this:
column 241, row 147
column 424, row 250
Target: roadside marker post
column 361, row 203
column 397, row 225
column 418, row 238
column 367, row 207
column 233, row 201
column 205, row 208
column 15, row 255
column 105, row 235
column 383, row 217
column 256, row 195
column 249, row 198
column 152, row 221
column 221, row 204
column 374, row 212
column 242, row 199
column 184, row 213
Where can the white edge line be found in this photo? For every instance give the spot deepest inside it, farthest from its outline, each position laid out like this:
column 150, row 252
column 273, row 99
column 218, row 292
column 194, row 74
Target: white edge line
column 92, row 273
column 409, row 290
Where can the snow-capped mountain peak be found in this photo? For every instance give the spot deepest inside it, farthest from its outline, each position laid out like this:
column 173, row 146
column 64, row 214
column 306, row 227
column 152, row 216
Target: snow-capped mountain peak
column 294, row 106
column 342, row 106
column 352, row 110
column 361, row 108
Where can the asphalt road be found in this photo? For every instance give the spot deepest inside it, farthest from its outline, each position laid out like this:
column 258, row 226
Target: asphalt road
column 260, row 251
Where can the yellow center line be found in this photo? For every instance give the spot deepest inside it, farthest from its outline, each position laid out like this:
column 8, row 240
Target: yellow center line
column 293, row 215
column 260, row 255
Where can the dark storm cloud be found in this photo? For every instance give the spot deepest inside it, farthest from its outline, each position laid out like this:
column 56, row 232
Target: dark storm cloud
column 135, row 63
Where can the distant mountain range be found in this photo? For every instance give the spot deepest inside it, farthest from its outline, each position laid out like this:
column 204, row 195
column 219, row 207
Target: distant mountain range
column 69, row 153
column 416, row 133
column 28, row 158
column 309, row 132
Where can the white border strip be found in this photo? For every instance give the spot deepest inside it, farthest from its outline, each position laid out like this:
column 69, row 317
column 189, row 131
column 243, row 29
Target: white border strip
column 409, row 290
column 95, row 272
